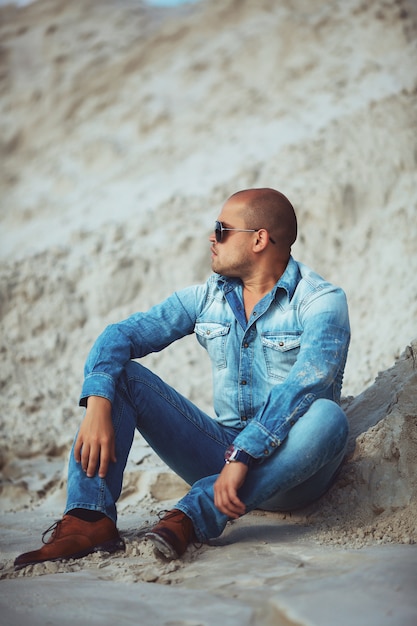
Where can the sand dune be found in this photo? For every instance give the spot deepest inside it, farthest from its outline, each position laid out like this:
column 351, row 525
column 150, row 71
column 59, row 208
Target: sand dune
column 123, row 129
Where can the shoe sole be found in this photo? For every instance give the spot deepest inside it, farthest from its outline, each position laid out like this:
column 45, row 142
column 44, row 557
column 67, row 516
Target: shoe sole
column 108, row 546
column 162, row 546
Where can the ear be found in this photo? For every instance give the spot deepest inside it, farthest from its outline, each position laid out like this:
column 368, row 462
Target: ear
column 261, row 240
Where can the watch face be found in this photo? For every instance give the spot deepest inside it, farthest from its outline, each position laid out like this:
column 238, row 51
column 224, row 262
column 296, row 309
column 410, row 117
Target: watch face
column 230, row 453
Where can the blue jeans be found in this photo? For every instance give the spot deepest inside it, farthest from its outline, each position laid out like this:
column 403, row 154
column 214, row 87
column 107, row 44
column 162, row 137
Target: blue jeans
column 193, row 445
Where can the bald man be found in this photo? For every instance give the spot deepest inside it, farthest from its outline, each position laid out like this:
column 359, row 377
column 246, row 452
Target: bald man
column 277, row 335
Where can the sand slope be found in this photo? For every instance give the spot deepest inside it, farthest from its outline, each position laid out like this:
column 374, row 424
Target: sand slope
column 122, row 131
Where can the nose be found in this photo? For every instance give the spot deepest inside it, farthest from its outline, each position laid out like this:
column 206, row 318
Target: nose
column 212, row 238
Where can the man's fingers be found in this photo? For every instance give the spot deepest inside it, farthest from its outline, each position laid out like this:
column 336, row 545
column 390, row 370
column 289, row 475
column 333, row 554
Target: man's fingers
column 95, row 444
column 107, row 455
column 227, row 501
column 232, row 510
column 105, row 458
column 91, row 461
column 84, row 456
column 93, row 456
column 113, row 452
column 77, row 449
column 235, row 507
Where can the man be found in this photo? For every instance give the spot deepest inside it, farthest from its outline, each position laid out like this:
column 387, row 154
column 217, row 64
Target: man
column 277, row 335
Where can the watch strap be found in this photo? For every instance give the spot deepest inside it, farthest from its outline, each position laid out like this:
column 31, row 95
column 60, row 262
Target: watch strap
column 234, row 455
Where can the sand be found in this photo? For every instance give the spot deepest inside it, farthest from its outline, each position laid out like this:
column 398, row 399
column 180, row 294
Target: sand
column 123, row 129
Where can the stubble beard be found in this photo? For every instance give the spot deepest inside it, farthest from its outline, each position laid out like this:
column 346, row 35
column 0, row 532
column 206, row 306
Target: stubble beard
column 230, row 270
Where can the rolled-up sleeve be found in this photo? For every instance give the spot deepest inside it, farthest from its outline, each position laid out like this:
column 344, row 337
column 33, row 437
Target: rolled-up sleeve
column 137, row 336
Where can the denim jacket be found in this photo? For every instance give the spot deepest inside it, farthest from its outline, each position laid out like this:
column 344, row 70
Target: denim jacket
column 267, row 371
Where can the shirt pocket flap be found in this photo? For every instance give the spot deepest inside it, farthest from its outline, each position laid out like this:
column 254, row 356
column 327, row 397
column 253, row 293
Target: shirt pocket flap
column 281, row 341
column 211, row 330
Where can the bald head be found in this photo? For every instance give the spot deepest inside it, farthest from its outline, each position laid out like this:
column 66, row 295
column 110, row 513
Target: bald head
column 269, row 209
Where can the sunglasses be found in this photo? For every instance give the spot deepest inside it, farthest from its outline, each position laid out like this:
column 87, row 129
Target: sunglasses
column 219, row 229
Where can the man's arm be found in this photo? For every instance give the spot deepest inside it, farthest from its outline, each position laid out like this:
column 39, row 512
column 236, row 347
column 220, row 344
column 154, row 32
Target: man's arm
column 322, row 355
column 137, row 336
column 320, row 361
column 134, row 337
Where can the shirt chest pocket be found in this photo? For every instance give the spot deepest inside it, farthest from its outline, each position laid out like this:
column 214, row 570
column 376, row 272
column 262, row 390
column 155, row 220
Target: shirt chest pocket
column 280, row 352
column 213, row 337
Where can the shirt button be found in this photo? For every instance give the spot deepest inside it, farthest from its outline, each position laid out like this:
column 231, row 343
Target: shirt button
column 244, row 418
column 266, row 452
column 254, row 314
column 245, row 345
column 273, row 444
column 281, row 343
column 243, row 382
column 292, row 422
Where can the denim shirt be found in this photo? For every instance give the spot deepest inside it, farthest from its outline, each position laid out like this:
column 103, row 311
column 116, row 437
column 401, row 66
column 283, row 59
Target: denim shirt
column 267, row 371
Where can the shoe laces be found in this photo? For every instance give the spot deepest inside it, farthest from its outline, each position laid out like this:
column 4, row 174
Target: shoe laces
column 52, row 529
column 169, row 514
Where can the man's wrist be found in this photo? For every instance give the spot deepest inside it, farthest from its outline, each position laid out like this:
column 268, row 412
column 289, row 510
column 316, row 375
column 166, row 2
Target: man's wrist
column 234, row 455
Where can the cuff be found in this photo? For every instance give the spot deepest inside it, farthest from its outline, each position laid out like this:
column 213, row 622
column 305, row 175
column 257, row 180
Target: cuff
column 257, row 441
column 97, row 384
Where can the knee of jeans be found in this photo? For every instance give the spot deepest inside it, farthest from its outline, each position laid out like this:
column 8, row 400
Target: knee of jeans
column 334, row 416
column 134, row 371
column 136, row 376
column 131, row 371
column 132, row 368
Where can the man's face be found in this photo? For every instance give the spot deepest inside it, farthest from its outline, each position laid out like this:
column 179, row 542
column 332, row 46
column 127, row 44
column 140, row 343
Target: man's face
column 232, row 256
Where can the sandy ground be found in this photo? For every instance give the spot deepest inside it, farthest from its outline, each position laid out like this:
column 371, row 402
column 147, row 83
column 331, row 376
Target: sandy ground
column 123, row 128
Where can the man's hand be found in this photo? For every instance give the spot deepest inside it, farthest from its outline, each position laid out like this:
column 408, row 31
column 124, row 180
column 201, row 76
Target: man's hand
column 95, row 442
column 230, row 480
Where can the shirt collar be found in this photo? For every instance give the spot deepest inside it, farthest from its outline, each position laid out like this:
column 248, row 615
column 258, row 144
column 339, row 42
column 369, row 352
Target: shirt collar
column 288, row 281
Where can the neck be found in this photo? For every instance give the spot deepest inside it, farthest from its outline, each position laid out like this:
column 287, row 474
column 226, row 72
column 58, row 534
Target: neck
column 261, row 282
column 256, row 287
column 252, row 294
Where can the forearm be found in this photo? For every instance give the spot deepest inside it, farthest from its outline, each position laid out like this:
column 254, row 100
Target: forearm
column 321, row 360
column 135, row 337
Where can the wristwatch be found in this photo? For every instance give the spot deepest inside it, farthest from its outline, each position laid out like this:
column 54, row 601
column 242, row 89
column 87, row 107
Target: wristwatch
column 233, row 454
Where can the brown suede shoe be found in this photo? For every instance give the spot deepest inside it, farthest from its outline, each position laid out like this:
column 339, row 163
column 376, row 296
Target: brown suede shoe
column 72, row 538
column 172, row 534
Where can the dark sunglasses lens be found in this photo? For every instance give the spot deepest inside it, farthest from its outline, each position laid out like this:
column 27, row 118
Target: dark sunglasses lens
column 218, row 232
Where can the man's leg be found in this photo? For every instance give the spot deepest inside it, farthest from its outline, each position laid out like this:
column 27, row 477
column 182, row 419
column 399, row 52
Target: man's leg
column 299, row 471
column 184, row 437
column 187, row 439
